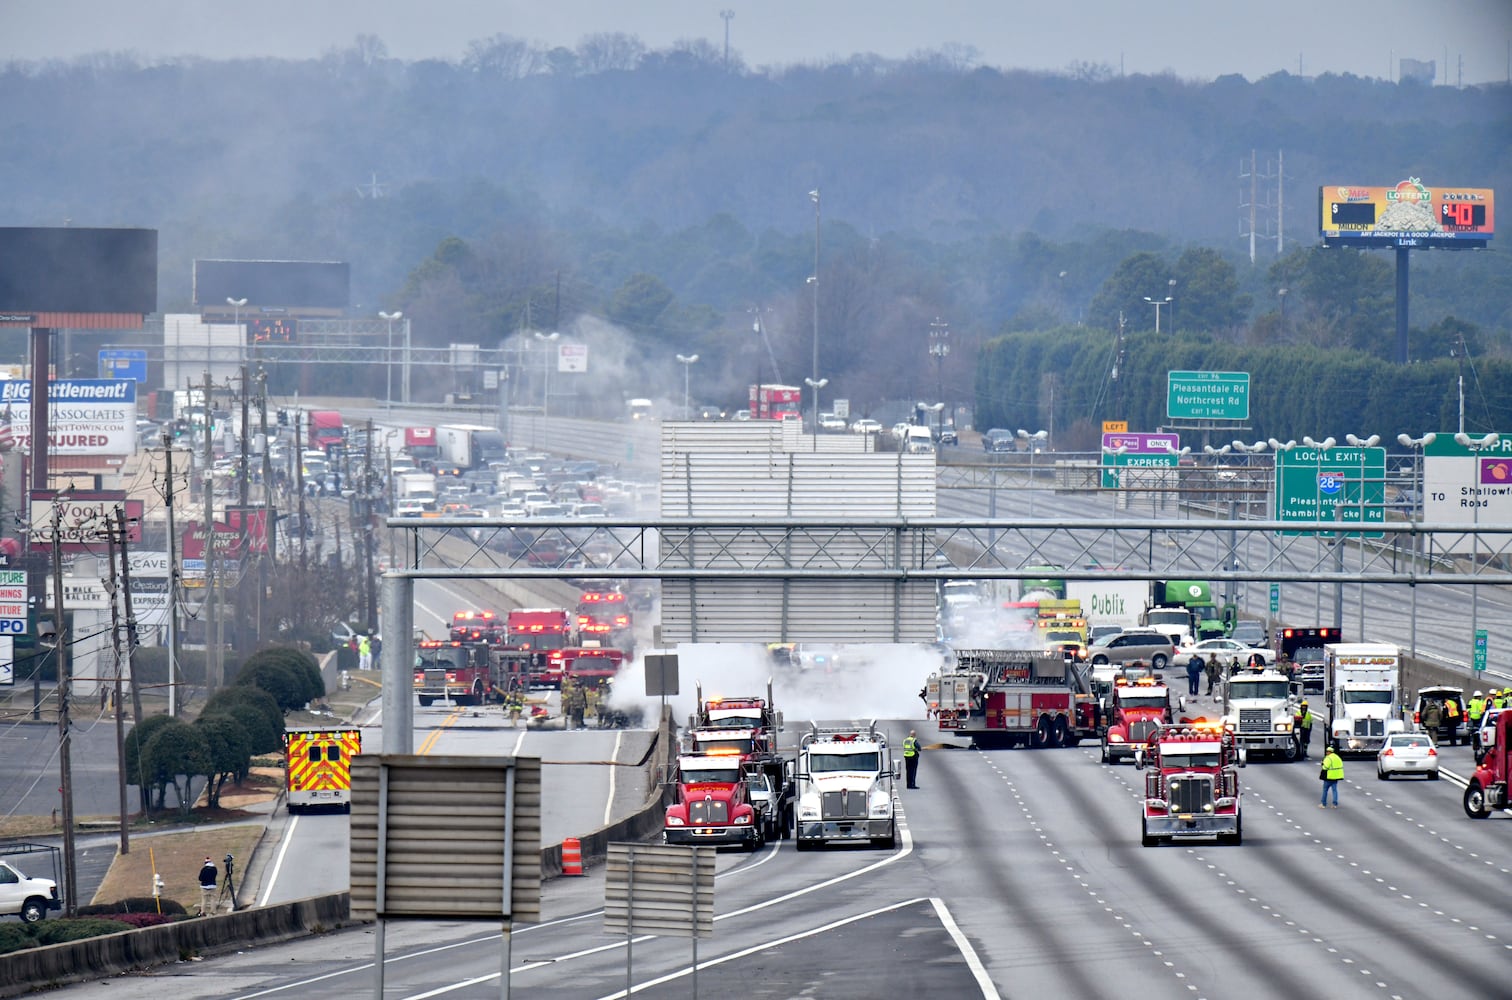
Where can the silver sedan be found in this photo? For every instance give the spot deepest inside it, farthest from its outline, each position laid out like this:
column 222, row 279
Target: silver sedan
column 1224, row 651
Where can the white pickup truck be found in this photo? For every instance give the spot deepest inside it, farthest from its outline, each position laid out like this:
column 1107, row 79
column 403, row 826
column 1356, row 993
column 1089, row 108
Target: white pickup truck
column 27, row 898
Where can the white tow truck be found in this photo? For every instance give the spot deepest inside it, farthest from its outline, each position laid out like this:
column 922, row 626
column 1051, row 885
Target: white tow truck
column 1260, row 709
column 844, row 788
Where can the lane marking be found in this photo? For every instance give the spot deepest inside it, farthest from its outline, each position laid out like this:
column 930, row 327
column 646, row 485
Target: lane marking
column 613, row 773
column 974, row 963
column 283, row 849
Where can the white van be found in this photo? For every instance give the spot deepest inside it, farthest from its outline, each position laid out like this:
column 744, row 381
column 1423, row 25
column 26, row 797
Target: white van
column 918, row 440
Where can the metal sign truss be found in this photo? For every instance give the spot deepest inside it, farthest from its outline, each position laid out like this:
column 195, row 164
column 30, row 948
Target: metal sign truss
column 938, row 548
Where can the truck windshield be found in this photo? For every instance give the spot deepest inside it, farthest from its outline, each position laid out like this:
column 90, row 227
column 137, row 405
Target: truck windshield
column 1354, row 697
column 1168, row 617
column 1257, row 689
column 1142, row 701
column 710, row 776
column 737, row 746
column 819, row 762
column 1188, row 760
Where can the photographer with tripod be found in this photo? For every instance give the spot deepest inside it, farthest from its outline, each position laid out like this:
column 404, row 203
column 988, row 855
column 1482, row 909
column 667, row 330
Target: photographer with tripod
column 210, row 902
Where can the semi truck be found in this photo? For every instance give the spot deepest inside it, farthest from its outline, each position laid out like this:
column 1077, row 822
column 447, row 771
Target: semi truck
column 1110, row 605
column 318, row 768
column 1364, row 694
column 843, row 781
column 1206, row 620
column 1191, row 785
column 1487, row 788
column 1137, row 708
column 422, row 447
column 325, row 430
column 775, row 402
column 1259, row 712
column 469, row 446
column 1013, row 697
column 712, row 804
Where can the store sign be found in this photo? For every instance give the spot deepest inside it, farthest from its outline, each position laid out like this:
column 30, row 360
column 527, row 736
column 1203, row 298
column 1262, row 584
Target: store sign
column 84, row 416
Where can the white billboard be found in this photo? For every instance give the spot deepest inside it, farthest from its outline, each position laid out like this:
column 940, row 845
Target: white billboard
column 85, row 416
column 1469, row 486
column 572, row 358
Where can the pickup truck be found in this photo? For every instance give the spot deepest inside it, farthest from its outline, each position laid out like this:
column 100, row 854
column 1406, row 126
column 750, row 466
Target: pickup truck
column 27, row 898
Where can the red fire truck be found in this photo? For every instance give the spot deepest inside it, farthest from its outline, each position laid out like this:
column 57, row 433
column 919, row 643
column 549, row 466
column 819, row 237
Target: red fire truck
column 476, row 626
column 1192, row 785
column 459, row 672
column 542, row 631
column 604, row 615
column 1012, row 697
column 775, row 402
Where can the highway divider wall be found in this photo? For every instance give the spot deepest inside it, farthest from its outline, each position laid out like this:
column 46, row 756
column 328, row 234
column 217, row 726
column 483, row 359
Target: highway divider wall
column 141, row 948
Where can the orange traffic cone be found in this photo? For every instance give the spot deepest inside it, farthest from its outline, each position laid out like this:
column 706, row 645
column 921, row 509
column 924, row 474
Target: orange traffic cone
column 572, row 856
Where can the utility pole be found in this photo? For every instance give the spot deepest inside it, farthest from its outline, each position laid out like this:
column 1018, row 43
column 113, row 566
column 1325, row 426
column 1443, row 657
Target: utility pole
column 270, row 520
column 65, row 750
column 212, row 658
column 304, row 562
column 243, row 471
column 367, row 529
column 112, row 589
column 173, row 587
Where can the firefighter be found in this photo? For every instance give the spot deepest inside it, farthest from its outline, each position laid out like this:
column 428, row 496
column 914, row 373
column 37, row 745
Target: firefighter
column 1477, row 709
column 591, row 703
column 514, row 705
column 1212, row 675
column 573, row 704
column 1304, row 728
column 911, row 758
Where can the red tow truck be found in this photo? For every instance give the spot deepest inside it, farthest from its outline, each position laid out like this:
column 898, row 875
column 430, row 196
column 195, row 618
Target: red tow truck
column 1013, row 697
column 1136, row 710
column 713, row 805
column 747, row 725
column 1191, row 785
column 1487, row 788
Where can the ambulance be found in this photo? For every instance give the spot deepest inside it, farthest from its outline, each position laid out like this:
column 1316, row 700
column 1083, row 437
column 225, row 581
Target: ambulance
column 318, row 768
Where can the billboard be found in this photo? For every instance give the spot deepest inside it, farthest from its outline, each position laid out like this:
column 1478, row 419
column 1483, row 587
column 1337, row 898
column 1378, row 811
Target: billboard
column 72, row 270
column 272, row 284
column 86, row 416
column 1408, row 215
column 82, row 518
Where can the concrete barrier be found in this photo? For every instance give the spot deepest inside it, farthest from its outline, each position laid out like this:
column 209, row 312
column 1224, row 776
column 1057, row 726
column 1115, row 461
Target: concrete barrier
column 141, row 948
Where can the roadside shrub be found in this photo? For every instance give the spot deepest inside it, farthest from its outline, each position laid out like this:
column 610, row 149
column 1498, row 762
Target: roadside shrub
column 15, row 936
column 60, row 931
column 135, row 904
column 277, row 679
column 137, row 920
column 299, row 663
column 256, row 698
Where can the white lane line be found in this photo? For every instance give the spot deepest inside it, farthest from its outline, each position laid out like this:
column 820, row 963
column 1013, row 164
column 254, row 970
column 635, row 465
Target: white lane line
column 978, row 970
column 619, row 737
column 519, row 742
column 779, row 942
column 283, row 849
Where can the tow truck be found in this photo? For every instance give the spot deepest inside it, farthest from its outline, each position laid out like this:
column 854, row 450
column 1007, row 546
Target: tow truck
column 747, row 725
column 1192, row 785
column 1259, row 710
column 1012, row 697
column 712, row 806
column 1137, row 709
column 1487, row 788
column 844, row 784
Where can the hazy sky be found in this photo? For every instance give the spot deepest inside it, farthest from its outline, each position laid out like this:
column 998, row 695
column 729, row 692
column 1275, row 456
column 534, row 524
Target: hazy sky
column 1195, row 39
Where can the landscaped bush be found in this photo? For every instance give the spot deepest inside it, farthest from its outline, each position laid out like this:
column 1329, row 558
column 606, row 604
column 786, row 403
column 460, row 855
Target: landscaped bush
column 134, row 904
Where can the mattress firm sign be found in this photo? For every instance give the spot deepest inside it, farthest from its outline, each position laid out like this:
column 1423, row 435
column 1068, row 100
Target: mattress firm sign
column 85, row 416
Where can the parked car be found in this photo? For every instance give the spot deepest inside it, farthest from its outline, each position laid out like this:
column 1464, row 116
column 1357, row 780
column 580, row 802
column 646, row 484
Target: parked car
column 1431, row 704
column 831, row 422
column 997, row 440
column 947, row 435
column 1148, row 645
column 27, row 898
column 1224, row 650
column 1250, row 632
column 866, row 425
column 1407, row 753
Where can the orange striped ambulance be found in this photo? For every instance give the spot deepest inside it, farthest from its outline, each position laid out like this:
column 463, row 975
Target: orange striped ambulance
column 318, row 767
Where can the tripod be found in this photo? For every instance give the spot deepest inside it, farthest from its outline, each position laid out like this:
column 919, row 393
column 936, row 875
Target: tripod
column 227, row 894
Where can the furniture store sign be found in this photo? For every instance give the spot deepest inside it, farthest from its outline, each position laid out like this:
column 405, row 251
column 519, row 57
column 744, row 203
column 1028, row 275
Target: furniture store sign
column 84, row 416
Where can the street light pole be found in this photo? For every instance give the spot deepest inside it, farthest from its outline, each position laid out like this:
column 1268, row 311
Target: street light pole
column 814, row 280
column 1476, row 446
column 388, row 358
column 546, row 339
column 814, row 386
column 1362, row 444
column 939, row 349
column 687, row 363
column 1417, row 445
column 1250, row 450
column 1157, row 303
column 1032, row 440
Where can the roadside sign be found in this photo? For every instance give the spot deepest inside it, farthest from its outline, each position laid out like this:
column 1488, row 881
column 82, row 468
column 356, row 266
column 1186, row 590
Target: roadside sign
column 1480, row 650
column 1466, row 486
column 1207, row 395
column 1141, row 444
column 1345, row 485
column 1113, row 466
column 1275, row 596
column 1115, row 426
column 123, row 364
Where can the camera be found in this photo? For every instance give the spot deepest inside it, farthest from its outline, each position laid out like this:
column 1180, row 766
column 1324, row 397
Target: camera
column 229, row 859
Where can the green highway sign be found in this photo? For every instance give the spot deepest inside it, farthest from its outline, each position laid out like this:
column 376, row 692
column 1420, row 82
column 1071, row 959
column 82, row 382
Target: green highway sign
column 1207, row 395
column 1345, row 485
column 1275, row 598
column 1480, row 649
column 1113, row 466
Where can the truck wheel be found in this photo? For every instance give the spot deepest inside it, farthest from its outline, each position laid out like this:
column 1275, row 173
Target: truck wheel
column 32, row 910
column 1290, row 753
column 890, row 841
column 1475, row 801
column 1237, row 837
column 804, row 845
column 1145, row 840
column 1058, row 731
column 1107, row 758
column 1041, row 734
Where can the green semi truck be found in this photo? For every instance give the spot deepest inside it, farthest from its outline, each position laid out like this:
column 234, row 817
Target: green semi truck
column 1177, row 603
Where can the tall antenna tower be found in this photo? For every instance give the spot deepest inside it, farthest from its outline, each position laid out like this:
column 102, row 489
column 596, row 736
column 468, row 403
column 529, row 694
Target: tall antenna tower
column 372, row 189
column 728, row 16
column 1249, row 205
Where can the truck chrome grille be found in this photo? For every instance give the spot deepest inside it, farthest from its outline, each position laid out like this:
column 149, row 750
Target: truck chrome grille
column 1254, row 720
column 1370, row 727
column 843, row 805
column 435, row 678
column 708, row 811
column 1192, row 794
column 1140, row 731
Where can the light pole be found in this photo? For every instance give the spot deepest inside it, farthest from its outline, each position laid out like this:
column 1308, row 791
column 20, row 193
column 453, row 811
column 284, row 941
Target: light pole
column 388, row 359
column 1171, row 298
column 1157, row 303
column 814, row 280
column 1032, row 441
column 939, row 349
column 814, row 386
column 1179, row 454
column 687, row 363
column 1362, row 444
column 1320, row 449
column 1476, row 446
column 1417, row 445
column 546, row 340
column 1281, row 294
column 1233, row 513
column 235, row 305
column 1250, row 450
